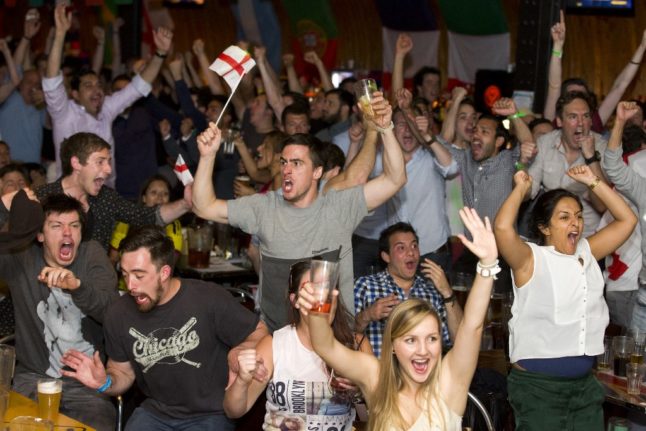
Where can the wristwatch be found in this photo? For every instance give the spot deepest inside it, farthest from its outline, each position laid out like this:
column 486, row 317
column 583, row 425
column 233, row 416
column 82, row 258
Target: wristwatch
column 596, row 157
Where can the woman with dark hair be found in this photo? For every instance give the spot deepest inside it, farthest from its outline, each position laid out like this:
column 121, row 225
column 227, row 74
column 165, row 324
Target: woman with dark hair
column 300, row 387
column 559, row 314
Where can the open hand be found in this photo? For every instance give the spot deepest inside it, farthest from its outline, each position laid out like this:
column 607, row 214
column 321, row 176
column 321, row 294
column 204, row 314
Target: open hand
column 87, row 370
column 484, row 243
column 62, row 19
column 163, row 38
column 435, row 273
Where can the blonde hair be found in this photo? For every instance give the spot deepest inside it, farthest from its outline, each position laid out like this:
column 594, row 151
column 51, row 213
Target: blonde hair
column 384, row 402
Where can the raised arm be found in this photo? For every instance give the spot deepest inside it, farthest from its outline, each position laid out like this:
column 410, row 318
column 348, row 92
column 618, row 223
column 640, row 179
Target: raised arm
column 174, row 210
column 30, row 29
column 555, row 69
column 506, row 107
column 292, row 78
column 608, row 239
column 258, row 175
column 8, row 87
column 312, row 58
column 272, row 90
column 163, row 38
column 97, row 59
column 380, row 189
column 512, row 248
column 117, row 67
column 212, row 79
column 63, row 22
column 460, row 363
column 91, row 372
column 622, row 81
column 359, row 367
column 205, row 203
column 402, row 48
column 450, row 120
column 195, row 77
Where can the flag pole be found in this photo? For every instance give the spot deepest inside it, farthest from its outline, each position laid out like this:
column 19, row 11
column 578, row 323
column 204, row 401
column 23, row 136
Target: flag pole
column 224, row 108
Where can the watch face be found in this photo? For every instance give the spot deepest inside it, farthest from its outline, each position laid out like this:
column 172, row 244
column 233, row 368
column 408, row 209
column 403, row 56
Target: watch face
column 485, row 272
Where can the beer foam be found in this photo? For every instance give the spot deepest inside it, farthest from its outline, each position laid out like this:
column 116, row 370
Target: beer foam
column 49, row 387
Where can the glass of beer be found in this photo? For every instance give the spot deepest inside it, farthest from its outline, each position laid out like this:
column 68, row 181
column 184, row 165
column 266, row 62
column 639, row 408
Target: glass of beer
column 323, row 277
column 622, row 348
column 49, row 398
column 637, row 357
column 363, row 91
column 30, row 423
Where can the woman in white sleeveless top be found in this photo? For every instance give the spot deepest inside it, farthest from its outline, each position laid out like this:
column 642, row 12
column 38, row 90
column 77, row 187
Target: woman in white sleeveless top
column 411, row 387
column 301, row 391
column 559, row 314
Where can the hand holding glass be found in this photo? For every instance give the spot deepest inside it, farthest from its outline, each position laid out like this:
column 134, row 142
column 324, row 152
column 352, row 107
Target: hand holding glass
column 363, row 91
column 323, row 277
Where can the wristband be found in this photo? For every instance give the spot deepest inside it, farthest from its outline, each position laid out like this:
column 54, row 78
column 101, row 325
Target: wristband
column 450, row 299
column 557, row 53
column 160, row 55
column 594, row 183
column 106, row 385
column 384, row 129
column 516, row 115
column 520, row 166
column 636, row 63
column 487, row 271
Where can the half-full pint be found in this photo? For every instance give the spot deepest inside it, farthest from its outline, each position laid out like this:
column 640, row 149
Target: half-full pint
column 49, row 398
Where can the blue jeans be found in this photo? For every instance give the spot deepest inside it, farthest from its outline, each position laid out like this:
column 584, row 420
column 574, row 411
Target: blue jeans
column 78, row 402
column 620, row 305
column 639, row 310
column 142, row 420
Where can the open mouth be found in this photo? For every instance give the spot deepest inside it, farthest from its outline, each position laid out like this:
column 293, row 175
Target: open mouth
column 572, row 238
column 288, row 185
column 66, row 251
column 98, row 182
column 420, row 366
column 140, row 299
column 411, row 265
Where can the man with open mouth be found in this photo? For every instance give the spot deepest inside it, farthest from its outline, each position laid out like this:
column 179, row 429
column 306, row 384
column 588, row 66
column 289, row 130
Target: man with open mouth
column 60, row 288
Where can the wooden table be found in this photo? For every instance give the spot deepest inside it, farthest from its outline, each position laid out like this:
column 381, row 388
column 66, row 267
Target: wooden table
column 616, row 394
column 20, row 405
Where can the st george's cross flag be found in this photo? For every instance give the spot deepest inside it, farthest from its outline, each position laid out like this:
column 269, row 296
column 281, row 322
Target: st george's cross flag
column 182, row 172
column 232, row 64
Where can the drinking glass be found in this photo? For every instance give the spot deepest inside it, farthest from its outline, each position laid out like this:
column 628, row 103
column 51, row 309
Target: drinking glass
column 323, row 277
column 7, row 364
column 363, row 91
column 634, row 376
column 49, row 398
column 605, row 359
column 622, row 348
column 30, row 423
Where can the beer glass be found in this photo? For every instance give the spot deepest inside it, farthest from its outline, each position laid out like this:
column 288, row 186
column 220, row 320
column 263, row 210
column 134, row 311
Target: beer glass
column 363, row 90
column 323, row 276
column 7, row 363
column 49, row 398
column 30, row 423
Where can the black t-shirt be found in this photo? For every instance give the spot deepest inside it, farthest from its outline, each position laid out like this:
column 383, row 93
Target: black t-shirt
column 179, row 349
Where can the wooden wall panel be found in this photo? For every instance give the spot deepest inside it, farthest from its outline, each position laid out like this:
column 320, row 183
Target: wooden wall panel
column 597, row 47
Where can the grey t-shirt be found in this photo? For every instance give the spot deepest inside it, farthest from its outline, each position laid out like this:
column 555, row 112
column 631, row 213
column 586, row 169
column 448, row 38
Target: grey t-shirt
column 288, row 234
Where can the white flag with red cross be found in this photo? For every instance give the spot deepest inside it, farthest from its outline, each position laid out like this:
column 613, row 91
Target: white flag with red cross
column 232, row 64
column 182, row 172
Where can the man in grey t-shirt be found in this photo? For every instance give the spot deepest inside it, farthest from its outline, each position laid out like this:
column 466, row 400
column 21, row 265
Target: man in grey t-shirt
column 301, row 223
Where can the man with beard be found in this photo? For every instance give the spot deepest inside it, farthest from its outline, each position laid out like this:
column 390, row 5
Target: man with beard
column 86, row 167
column 172, row 336
column 337, row 112
column 573, row 143
column 90, row 110
column 60, row 291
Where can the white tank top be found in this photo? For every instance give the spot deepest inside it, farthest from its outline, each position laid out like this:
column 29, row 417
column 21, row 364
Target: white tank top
column 299, row 396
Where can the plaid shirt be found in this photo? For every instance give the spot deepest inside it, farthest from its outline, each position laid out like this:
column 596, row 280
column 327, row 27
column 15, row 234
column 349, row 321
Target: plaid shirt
column 368, row 289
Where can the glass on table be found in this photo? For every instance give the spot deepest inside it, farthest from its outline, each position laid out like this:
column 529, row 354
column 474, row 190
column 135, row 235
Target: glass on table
column 622, row 348
column 639, row 336
column 49, row 398
column 605, row 359
column 7, row 365
column 634, row 376
column 30, row 423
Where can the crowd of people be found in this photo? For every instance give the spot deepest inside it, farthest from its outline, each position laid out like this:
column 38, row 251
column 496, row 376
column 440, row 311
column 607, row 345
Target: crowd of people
column 402, row 195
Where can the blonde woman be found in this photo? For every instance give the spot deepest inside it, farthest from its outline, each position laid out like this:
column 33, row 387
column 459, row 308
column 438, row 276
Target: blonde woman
column 411, row 386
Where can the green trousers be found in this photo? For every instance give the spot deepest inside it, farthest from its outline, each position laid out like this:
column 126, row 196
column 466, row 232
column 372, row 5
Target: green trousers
column 548, row 403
